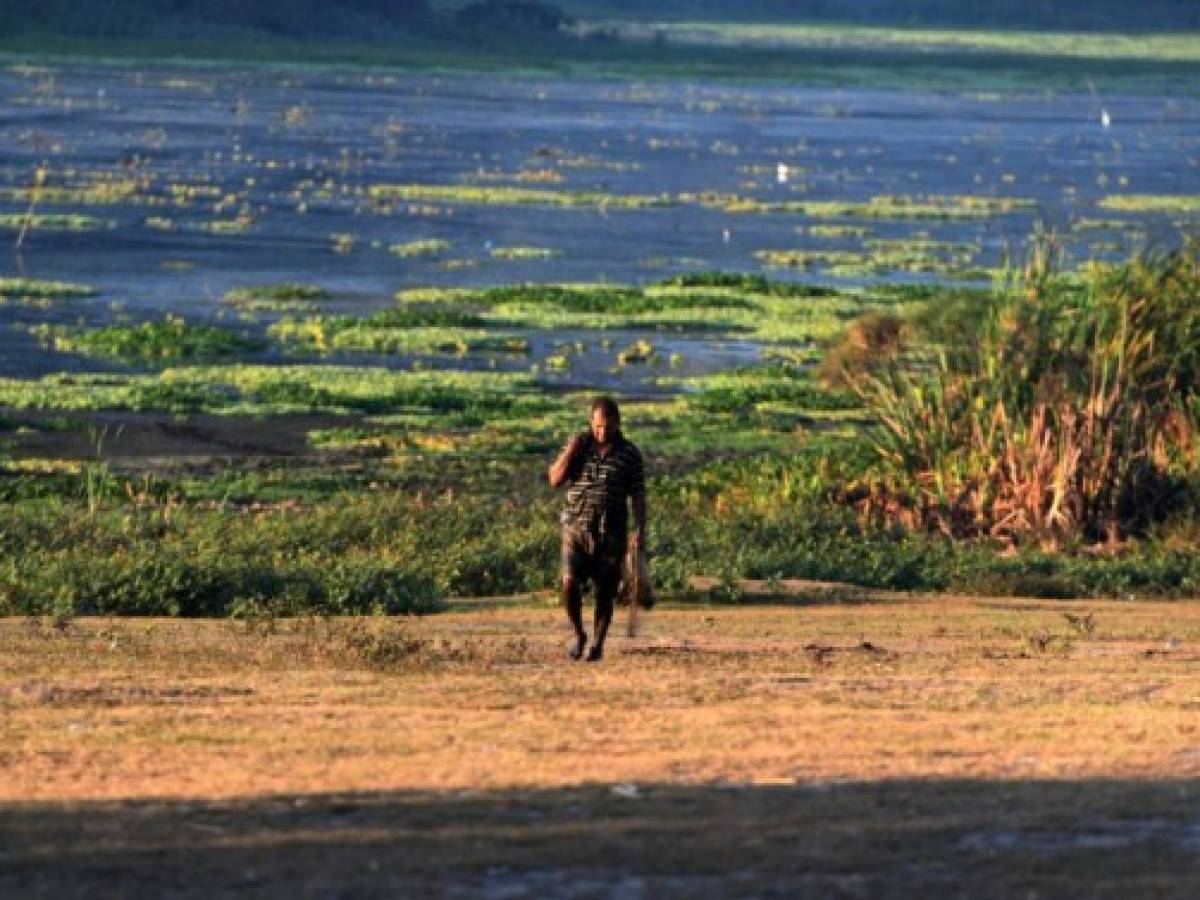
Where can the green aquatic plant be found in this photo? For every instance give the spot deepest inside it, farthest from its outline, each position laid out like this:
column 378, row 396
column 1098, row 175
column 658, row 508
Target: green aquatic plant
column 887, row 206
column 524, row 253
column 54, row 290
column 957, row 206
column 414, row 249
column 837, row 231
column 102, row 191
column 172, row 338
column 259, row 390
column 240, row 225
column 54, row 222
column 1186, row 203
column 882, row 257
column 278, row 297
column 510, row 196
column 346, row 333
column 639, row 351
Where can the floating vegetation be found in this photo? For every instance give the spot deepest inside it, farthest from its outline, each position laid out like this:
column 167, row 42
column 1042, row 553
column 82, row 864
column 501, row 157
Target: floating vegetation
column 569, row 161
column 639, row 351
column 103, row 192
column 284, row 297
column 885, row 206
column 524, row 253
column 957, row 206
column 526, row 176
column 53, row 222
column 837, row 231
column 415, row 328
column 729, row 303
column 240, row 225
column 396, row 332
column 262, row 390
column 608, row 299
column 413, row 249
column 510, row 196
column 23, row 288
column 1186, row 203
column 1086, row 224
column 172, row 338
column 343, row 242
column 881, row 257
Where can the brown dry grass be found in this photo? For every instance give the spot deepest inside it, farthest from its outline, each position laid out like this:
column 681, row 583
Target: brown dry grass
column 470, row 735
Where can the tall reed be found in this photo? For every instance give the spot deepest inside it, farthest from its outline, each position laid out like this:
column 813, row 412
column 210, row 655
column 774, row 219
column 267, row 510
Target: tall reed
column 1065, row 406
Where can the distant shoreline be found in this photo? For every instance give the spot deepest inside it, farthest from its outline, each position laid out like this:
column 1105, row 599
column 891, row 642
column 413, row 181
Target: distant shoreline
column 910, row 64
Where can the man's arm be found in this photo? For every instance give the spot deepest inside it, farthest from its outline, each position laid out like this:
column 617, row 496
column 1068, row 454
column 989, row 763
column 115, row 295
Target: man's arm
column 561, row 467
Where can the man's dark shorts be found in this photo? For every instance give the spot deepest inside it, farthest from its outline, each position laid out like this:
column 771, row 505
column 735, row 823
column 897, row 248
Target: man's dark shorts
column 588, row 557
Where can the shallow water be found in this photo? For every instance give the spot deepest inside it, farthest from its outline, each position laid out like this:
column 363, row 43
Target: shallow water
column 295, row 153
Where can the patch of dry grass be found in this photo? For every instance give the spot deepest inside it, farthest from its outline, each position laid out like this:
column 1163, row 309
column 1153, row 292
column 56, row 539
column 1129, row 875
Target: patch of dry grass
column 483, row 699
column 859, row 747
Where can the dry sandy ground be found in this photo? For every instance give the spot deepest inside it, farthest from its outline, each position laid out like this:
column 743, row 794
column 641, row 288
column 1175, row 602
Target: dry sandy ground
column 887, row 748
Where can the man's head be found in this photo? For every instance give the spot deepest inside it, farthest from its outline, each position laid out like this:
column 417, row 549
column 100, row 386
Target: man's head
column 606, row 420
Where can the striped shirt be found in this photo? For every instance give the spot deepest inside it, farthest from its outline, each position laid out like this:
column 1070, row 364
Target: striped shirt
column 600, row 485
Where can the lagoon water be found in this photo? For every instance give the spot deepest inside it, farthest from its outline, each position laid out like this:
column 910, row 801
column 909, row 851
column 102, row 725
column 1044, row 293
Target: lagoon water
column 288, row 156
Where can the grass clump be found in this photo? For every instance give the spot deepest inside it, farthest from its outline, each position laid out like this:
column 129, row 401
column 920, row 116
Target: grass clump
column 1065, row 410
column 744, row 389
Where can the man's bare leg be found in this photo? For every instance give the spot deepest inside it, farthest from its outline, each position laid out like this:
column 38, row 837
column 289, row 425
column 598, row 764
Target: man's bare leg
column 604, row 617
column 572, row 595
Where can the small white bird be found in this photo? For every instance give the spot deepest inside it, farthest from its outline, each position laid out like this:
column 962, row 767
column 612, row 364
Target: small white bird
column 1105, row 118
column 782, row 173
column 725, row 235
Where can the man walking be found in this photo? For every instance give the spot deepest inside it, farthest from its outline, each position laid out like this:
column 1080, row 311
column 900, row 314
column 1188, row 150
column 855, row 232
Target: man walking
column 603, row 472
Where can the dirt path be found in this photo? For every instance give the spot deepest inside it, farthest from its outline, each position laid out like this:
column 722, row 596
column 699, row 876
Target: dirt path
column 885, row 748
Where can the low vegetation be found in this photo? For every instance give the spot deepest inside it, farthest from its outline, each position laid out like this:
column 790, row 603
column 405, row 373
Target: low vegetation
column 951, row 439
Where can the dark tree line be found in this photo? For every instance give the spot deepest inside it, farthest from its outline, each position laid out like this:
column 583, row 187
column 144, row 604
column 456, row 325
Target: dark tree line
column 183, row 18
column 475, row 20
